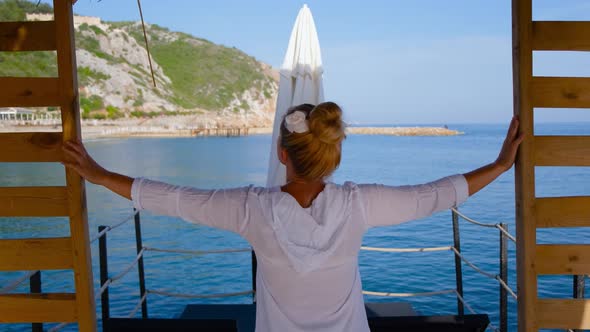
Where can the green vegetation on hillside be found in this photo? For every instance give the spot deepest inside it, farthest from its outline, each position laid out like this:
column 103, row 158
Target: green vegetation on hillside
column 28, row 64
column 86, row 75
column 15, row 10
column 202, row 75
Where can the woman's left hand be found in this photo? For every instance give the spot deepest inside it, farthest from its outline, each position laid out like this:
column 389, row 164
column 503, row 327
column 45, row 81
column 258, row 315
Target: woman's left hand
column 507, row 155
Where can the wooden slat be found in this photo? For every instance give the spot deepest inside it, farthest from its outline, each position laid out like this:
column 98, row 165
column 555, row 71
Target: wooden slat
column 563, row 259
column 563, row 211
column 31, row 147
column 70, row 112
column 561, row 92
column 29, row 91
column 33, row 202
column 561, row 36
column 36, row 254
column 562, row 150
column 563, row 314
column 25, row 308
column 27, row 36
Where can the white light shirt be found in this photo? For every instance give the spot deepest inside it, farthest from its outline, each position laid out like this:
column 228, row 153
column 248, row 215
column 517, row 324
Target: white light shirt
column 308, row 277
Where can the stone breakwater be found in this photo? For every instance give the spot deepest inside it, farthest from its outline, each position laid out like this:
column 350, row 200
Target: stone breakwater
column 403, row 131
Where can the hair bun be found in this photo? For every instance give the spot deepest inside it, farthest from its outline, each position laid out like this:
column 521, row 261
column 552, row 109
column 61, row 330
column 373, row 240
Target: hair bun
column 325, row 123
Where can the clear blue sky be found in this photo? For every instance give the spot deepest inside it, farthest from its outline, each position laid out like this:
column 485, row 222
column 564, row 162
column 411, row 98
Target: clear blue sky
column 386, row 61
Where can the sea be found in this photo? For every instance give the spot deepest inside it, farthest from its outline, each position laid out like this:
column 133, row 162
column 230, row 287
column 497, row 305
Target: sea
column 221, row 162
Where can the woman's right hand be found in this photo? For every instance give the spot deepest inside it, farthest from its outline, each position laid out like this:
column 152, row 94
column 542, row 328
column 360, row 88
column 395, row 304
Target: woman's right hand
column 510, row 147
column 77, row 158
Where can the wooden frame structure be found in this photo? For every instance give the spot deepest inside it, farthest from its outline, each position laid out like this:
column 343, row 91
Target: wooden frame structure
column 533, row 212
column 71, row 252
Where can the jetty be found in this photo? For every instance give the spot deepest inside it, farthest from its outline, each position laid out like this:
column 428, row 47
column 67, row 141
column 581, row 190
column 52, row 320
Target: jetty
column 122, row 130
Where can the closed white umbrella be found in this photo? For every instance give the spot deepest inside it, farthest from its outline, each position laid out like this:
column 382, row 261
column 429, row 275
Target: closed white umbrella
column 300, row 83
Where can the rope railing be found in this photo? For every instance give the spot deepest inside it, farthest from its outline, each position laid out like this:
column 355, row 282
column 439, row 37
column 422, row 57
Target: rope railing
column 58, row 327
column 103, row 287
column 198, row 252
column 128, row 268
column 110, row 228
column 473, row 221
column 387, row 294
column 198, row 296
column 144, row 293
column 486, row 274
column 137, row 306
column 407, row 249
column 505, row 232
column 473, row 266
column 479, row 223
column 506, row 287
column 468, row 306
column 16, row 282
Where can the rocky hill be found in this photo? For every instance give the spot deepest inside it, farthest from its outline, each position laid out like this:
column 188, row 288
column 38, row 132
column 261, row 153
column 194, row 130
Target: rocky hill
column 195, row 77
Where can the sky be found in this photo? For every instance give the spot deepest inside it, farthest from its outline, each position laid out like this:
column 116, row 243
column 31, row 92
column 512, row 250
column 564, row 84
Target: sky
column 385, row 61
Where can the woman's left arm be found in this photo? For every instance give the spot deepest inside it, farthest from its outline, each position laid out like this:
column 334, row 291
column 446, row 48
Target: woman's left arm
column 481, row 177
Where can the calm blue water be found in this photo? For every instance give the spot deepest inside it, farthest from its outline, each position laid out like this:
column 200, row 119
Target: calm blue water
column 228, row 162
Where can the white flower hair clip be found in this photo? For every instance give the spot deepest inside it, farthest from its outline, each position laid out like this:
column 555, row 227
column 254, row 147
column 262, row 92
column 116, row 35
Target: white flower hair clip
column 296, row 122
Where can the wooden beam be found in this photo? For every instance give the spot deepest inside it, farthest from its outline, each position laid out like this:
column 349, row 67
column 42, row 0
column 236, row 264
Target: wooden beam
column 27, row 308
column 524, row 175
column 563, row 314
column 562, row 150
column 561, row 36
column 70, row 111
column 36, row 254
column 561, row 92
column 33, row 202
column 563, row 211
column 565, row 259
column 31, row 147
column 29, row 91
column 27, row 36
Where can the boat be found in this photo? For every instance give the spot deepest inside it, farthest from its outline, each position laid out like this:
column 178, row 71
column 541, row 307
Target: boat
column 73, row 252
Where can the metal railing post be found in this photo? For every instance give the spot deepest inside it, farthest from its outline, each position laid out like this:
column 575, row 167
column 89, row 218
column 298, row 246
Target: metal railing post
column 579, row 288
column 458, row 267
column 254, row 268
column 104, row 276
column 504, row 277
column 35, row 288
column 140, row 270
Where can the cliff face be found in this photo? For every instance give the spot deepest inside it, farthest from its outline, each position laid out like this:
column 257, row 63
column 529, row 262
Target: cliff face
column 195, row 77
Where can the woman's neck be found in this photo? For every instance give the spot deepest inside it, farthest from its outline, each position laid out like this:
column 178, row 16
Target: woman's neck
column 304, row 191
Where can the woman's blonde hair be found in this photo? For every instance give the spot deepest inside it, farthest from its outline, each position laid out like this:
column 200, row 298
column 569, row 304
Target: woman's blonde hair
column 315, row 154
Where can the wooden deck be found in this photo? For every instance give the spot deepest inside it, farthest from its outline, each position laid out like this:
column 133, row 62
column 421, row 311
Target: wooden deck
column 383, row 317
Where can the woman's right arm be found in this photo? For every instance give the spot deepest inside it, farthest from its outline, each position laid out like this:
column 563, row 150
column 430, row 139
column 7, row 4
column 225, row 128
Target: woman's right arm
column 222, row 208
column 77, row 158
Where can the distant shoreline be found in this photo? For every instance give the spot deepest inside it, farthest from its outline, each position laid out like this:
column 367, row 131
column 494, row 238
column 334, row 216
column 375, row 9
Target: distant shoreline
column 124, row 131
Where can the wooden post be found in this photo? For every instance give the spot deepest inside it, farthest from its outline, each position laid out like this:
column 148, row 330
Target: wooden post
column 70, row 114
column 524, row 171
